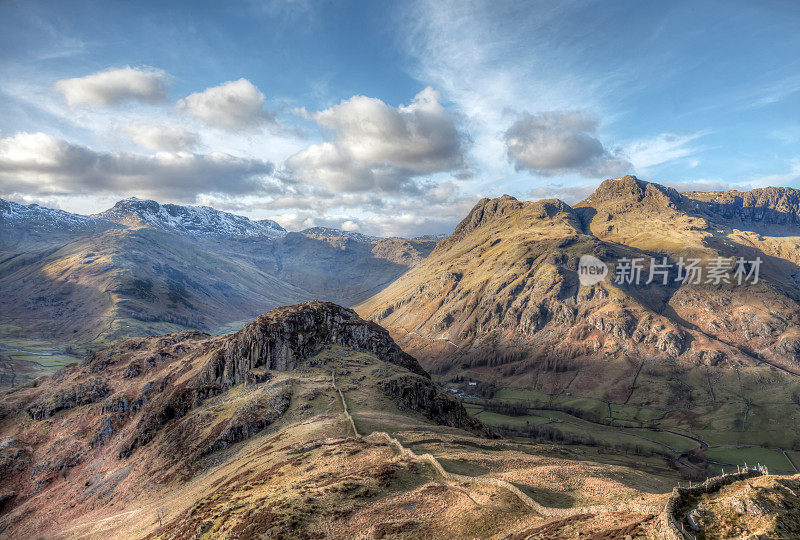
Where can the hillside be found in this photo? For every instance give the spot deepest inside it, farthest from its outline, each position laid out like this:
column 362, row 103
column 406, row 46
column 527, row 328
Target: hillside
column 279, row 427
column 500, row 302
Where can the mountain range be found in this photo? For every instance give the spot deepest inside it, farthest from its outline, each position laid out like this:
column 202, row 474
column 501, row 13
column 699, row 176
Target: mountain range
column 141, row 268
column 501, row 302
column 507, row 277
column 484, row 384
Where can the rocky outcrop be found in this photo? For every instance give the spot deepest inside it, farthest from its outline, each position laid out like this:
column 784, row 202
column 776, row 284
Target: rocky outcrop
column 75, row 396
column 284, row 337
column 485, row 210
column 421, row 395
column 630, row 191
column 768, row 206
column 255, row 414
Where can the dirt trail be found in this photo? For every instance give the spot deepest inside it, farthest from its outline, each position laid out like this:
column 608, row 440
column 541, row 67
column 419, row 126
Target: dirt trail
column 526, row 500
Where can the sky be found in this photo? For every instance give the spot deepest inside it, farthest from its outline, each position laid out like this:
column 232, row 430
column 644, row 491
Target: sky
column 390, row 118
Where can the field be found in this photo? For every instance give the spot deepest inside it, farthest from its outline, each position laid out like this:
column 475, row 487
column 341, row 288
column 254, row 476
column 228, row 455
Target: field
column 748, row 423
column 24, row 359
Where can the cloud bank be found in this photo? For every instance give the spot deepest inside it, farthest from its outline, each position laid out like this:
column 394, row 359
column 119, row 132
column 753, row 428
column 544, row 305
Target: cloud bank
column 36, row 163
column 552, row 143
column 113, row 86
column 378, row 147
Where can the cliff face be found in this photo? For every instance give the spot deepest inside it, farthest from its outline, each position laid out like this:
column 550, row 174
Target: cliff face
column 419, row 394
column 284, row 337
column 767, row 206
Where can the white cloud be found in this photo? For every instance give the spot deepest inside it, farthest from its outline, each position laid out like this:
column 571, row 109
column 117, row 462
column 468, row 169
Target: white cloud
column 234, row 105
column 379, row 147
column 551, row 143
column 161, row 137
column 349, row 225
column 662, row 149
column 435, row 208
column 36, row 163
column 113, row 86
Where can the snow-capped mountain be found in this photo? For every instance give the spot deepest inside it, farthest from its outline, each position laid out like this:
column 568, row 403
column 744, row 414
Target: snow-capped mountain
column 194, row 221
column 32, row 220
column 34, row 215
column 329, row 232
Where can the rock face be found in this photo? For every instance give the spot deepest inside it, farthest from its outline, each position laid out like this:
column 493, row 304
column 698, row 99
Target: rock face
column 419, row 394
column 768, row 206
column 74, row 396
column 284, row 337
column 258, row 412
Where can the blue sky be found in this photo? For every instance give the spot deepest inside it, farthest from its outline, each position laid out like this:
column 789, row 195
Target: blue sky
column 390, row 117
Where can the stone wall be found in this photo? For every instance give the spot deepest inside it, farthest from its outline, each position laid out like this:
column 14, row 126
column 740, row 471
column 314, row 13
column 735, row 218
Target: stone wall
column 668, row 524
column 496, row 482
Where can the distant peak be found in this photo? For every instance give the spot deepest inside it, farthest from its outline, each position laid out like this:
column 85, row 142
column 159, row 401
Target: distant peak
column 628, row 190
column 195, row 221
column 330, row 232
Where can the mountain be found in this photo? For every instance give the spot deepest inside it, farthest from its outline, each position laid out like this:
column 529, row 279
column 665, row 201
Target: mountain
column 507, row 276
column 142, row 268
column 328, row 232
column 192, row 221
column 35, row 225
column 501, row 301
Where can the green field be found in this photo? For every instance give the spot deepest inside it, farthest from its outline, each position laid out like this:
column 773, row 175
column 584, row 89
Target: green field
column 772, row 458
column 752, row 425
column 22, row 360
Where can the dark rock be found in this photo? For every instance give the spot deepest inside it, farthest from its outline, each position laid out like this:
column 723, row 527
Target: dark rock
column 5, row 498
column 284, row 337
column 422, row 395
column 75, row 396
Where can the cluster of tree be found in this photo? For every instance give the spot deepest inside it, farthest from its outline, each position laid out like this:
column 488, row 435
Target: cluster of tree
column 507, row 408
column 493, row 359
column 483, row 389
column 546, row 433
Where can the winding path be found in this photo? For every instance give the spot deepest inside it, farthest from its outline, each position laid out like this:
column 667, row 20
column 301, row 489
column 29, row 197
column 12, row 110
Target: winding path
column 491, row 481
